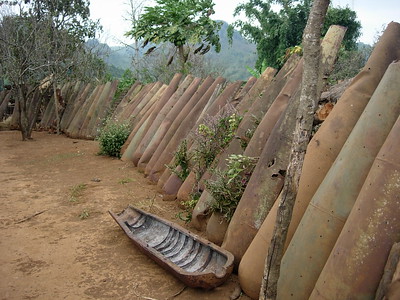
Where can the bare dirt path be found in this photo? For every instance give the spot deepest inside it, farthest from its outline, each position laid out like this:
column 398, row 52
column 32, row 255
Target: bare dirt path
column 55, row 246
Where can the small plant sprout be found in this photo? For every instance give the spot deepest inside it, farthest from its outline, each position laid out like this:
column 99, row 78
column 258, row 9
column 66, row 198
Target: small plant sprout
column 77, row 191
column 125, row 180
column 84, row 214
column 188, row 205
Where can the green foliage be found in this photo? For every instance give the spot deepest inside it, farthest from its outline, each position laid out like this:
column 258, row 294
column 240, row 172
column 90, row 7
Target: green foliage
column 344, row 17
column 126, row 81
column 274, row 32
column 257, row 73
column 230, row 62
column 124, row 84
column 189, row 205
column 211, row 138
column 180, row 166
column 228, row 186
column 45, row 39
column 180, row 23
column 244, row 141
column 112, row 137
column 73, row 16
column 349, row 63
column 289, row 51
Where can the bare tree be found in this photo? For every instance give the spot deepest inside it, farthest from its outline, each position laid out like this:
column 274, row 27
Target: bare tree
column 21, row 61
column 43, row 39
column 310, row 93
column 134, row 13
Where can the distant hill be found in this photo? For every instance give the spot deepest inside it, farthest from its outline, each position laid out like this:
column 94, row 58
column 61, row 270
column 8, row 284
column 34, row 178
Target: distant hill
column 232, row 59
column 236, row 57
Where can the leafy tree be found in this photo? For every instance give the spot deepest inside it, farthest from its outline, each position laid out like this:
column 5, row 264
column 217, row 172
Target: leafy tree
column 181, row 23
column 275, row 31
column 156, row 67
column 344, row 17
column 42, row 44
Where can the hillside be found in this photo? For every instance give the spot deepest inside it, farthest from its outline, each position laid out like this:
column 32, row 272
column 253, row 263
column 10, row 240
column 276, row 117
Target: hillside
column 232, row 60
column 236, row 57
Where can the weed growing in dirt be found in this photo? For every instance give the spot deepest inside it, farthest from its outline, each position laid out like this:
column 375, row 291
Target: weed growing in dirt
column 189, row 205
column 77, row 191
column 125, row 180
column 228, row 185
column 112, row 136
column 84, row 214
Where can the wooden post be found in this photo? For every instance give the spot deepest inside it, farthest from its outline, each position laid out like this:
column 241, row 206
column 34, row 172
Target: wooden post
column 304, row 120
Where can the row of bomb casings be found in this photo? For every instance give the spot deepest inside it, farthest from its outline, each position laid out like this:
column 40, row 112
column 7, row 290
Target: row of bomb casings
column 81, row 108
column 340, row 152
column 345, row 218
column 275, row 100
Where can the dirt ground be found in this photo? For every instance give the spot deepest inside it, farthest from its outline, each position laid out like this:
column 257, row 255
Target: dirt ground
column 57, row 245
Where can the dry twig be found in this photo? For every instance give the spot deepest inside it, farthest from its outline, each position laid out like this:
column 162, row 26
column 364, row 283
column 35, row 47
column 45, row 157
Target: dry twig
column 30, row 217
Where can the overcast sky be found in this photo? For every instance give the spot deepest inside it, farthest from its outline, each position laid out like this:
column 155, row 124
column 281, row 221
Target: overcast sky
column 373, row 14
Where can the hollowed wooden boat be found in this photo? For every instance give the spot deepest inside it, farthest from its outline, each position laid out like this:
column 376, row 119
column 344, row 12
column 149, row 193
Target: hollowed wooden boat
column 195, row 261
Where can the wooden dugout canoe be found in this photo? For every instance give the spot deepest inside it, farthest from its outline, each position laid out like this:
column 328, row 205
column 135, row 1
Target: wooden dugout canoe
column 195, row 261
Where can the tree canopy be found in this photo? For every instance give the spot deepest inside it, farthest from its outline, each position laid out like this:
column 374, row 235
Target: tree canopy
column 180, row 23
column 275, row 31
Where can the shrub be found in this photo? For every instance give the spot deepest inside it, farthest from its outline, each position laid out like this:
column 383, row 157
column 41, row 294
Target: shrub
column 213, row 136
column 112, row 136
column 210, row 138
column 228, row 186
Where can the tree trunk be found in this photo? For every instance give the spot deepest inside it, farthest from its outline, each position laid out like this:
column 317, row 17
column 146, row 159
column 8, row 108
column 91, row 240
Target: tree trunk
column 308, row 102
column 183, row 58
column 23, row 114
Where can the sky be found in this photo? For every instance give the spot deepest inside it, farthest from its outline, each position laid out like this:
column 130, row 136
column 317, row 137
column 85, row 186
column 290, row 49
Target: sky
column 374, row 16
